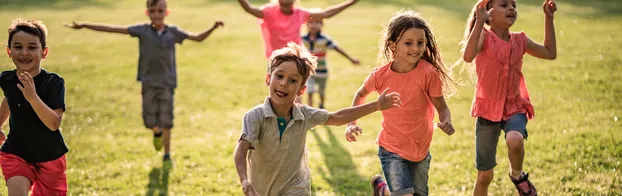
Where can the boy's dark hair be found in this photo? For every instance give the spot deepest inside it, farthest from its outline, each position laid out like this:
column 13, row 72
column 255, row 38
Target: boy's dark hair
column 153, row 2
column 33, row 27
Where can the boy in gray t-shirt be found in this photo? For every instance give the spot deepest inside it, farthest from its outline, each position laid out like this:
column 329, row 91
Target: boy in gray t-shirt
column 156, row 67
column 275, row 132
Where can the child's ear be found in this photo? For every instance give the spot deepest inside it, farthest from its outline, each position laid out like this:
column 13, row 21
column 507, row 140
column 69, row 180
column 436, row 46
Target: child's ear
column 8, row 51
column 302, row 90
column 147, row 12
column 267, row 79
column 392, row 46
column 45, row 52
column 167, row 12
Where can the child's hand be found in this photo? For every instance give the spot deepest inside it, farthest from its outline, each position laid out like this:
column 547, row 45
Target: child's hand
column 218, row 24
column 446, row 127
column 74, row 25
column 549, row 8
column 355, row 61
column 27, row 87
column 386, row 101
column 481, row 14
column 248, row 189
column 352, row 131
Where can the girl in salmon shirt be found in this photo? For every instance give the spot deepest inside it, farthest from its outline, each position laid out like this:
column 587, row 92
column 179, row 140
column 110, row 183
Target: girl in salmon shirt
column 501, row 99
column 415, row 70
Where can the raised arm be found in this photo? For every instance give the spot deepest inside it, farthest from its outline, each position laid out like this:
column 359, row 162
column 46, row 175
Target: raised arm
column 346, row 115
column 239, row 157
column 342, row 52
column 99, row 27
column 549, row 49
column 202, row 36
column 332, row 10
column 476, row 38
column 248, row 7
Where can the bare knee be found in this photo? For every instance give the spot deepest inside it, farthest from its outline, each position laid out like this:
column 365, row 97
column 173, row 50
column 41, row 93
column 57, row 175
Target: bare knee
column 18, row 186
column 514, row 140
column 485, row 177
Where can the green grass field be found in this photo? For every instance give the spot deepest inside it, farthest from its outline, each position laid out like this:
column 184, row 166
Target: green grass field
column 574, row 148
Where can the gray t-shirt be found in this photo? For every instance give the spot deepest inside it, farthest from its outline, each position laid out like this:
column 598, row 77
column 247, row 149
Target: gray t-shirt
column 156, row 62
column 278, row 166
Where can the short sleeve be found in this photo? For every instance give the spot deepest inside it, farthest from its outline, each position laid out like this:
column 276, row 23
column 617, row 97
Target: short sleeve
column 523, row 40
column 3, row 77
column 55, row 98
column 434, row 84
column 304, row 15
column 251, row 127
column 137, row 30
column 268, row 11
column 370, row 81
column 180, row 34
column 313, row 116
column 330, row 43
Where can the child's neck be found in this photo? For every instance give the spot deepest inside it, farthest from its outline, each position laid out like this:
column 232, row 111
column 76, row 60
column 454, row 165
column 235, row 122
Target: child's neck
column 287, row 10
column 313, row 35
column 34, row 72
column 158, row 28
column 502, row 33
column 282, row 110
column 403, row 67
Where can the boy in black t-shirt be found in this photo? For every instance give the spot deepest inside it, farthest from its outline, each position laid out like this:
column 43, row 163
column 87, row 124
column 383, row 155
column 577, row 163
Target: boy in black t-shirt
column 33, row 155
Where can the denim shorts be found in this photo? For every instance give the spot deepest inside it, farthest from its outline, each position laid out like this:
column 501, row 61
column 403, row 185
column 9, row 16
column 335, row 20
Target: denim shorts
column 404, row 176
column 487, row 136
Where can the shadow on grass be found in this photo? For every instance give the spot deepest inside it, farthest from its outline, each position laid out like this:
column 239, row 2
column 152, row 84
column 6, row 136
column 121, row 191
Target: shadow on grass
column 342, row 175
column 158, row 181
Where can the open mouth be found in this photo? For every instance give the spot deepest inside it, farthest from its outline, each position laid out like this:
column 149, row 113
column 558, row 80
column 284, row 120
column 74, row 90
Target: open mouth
column 511, row 16
column 25, row 61
column 280, row 94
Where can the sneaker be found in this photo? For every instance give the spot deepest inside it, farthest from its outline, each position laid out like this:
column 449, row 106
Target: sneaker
column 378, row 185
column 167, row 162
column 524, row 186
column 157, row 142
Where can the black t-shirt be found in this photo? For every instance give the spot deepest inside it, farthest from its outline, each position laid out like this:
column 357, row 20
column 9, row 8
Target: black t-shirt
column 28, row 137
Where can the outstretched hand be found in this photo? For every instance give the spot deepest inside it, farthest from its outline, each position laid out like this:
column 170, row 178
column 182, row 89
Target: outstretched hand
column 74, row 25
column 390, row 100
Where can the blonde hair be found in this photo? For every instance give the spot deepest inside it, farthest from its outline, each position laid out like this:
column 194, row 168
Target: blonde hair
column 305, row 61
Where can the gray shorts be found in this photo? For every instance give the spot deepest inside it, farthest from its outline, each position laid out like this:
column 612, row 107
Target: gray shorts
column 404, row 176
column 321, row 84
column 487, row 136
column 158, row 106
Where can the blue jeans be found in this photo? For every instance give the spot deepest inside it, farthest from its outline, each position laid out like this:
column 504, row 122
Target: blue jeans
column 404, row 176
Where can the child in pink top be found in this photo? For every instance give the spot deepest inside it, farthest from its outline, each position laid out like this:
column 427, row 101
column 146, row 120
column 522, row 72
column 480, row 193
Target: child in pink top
column 501, row 98
column 415, row 71
column 281, row 22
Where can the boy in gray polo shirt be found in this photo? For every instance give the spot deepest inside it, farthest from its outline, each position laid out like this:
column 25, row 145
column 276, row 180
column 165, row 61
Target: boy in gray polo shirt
column 275, row 132
column 156, row 67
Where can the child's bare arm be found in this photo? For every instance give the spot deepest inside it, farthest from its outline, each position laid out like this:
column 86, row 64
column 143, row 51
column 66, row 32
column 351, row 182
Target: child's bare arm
column 202, row 36
column 549, row 49
column 248, row 7
column 239, row 157
column 346, row 115
column 476, row 38
column 332, row 10
column 51, row 118
column 99, row 27
column 342, row 52
column 444, row 115
column 359, row 99
column 4, row 114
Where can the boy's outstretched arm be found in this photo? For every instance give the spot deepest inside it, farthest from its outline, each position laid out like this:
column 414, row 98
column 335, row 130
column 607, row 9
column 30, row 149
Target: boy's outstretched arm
column 99, row 27
column 248, row 7
column 549, row 49
column 332, row 10
column 384, row 101
column 342, row 52
column 239, row 157
column 4, row 114
column 444, row 115
column 202, row 36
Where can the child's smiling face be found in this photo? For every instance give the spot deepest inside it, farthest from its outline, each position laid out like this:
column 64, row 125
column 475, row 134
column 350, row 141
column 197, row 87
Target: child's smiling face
column 285, row 83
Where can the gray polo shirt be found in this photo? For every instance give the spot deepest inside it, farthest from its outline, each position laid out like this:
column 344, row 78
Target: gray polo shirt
column 280, row 167
column 156, row 62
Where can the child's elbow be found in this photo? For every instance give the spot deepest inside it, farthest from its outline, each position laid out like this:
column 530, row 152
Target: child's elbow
column 467, row 59
column 553, row 57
